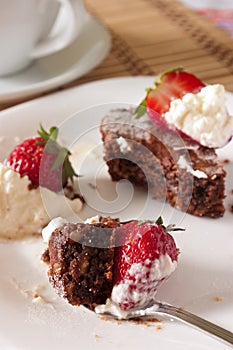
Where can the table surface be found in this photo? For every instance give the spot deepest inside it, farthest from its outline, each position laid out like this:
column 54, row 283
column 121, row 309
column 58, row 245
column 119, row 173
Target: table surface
column 150, row 36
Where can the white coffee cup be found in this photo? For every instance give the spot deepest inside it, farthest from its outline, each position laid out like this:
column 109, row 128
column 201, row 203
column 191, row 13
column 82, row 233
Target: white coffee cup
column 29, row 30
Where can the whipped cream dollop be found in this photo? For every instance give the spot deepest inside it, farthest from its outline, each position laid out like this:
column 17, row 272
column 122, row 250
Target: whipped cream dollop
column 52, row 226
column 25, row 211
column 203, row 116
column 111, row 308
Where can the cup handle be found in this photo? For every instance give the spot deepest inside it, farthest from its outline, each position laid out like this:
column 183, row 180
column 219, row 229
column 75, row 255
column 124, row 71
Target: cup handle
column 74, row 17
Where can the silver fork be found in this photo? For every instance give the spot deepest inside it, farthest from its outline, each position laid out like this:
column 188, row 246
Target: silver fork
column 156, row 308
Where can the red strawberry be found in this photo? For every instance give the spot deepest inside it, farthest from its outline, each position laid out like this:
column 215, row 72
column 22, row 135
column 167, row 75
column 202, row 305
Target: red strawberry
column 147, row 256
column 170, row 85
column 43, row 160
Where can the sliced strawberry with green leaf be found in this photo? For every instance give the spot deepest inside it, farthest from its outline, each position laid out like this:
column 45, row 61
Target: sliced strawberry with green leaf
column 170, row 85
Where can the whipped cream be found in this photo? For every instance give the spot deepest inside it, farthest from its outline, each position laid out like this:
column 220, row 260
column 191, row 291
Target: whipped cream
column 23, row 211
column 123, row 144
column 183, row 164
column 93, row 220
column 203, row 116
column 156, row 272
column 111, row 308
column 52, row 226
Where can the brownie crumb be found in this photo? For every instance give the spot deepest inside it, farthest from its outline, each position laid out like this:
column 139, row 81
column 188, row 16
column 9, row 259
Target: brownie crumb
column 110, row 319
column 79, row 196
column 145, row 321
column 97, row 337
column 32, row 186
column 45, row 256
column 92, row 186
column 72, row 194
column 231, row 209
column 218, row 299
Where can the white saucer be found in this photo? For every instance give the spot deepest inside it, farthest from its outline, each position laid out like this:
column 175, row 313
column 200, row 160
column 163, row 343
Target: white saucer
column 85, row 53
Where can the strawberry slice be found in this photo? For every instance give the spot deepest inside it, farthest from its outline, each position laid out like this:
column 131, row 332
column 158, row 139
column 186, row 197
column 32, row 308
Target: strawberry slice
column 170, row 85
column 43, row 160
column 146, row 255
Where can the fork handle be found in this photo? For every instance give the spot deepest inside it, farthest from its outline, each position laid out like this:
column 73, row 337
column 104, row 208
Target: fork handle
column 196, row 321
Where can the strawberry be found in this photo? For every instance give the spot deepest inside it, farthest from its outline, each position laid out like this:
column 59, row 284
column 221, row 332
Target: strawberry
column 43, row 160
column 170, row 85
column 145, row 256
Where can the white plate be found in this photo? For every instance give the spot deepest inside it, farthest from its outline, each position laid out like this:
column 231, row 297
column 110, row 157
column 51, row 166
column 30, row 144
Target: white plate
column 202, row 283
column 85, row 53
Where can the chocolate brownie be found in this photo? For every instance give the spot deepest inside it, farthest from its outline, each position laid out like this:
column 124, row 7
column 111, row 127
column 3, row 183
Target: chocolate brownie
column 176, row 169
column 80, row 258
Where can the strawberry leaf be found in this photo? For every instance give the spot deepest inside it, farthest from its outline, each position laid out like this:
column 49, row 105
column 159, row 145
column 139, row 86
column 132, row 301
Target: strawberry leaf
column 140, row 110
column 159, row 221
column 53, row 133
column 53, row 147
column 43, row 133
